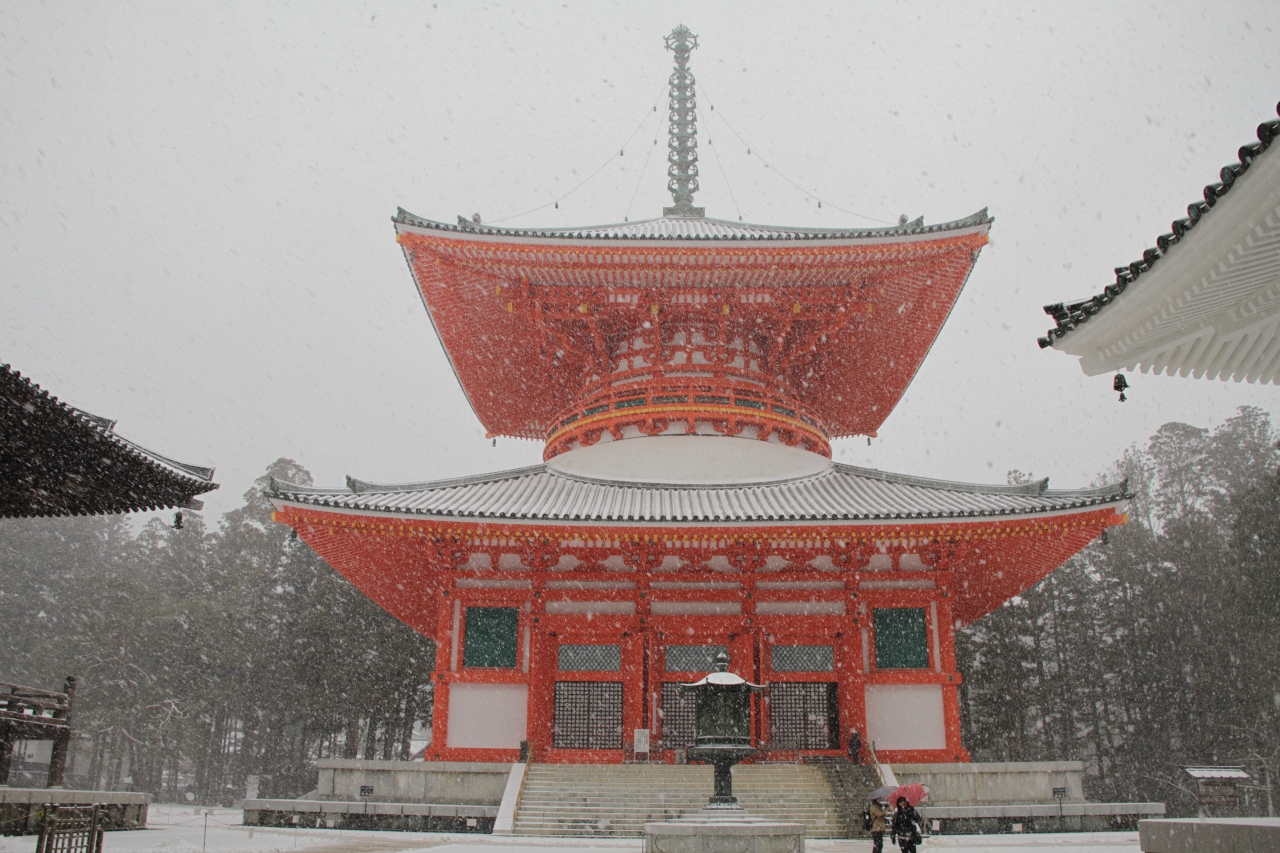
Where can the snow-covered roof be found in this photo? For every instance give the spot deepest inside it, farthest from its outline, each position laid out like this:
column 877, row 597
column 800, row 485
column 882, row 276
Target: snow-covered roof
column 1205, row 300
column 60, row 460
column 1217, row 772
column 841, row 492
column 724, row 679
column 694, row 228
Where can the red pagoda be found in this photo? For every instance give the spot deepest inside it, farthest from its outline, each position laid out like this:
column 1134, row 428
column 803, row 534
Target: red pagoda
column 687, row 376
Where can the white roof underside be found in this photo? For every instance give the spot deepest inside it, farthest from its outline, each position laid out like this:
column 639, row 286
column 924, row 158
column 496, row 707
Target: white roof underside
column 1211, row 306
column 841, row 493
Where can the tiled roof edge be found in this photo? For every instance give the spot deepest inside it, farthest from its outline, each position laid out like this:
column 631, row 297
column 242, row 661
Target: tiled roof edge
column 279, row 488
column 981, row 217
column 105, row 427
column 1068, row 316
column 361, row 486
column 1038, row 488
column 1035, row 488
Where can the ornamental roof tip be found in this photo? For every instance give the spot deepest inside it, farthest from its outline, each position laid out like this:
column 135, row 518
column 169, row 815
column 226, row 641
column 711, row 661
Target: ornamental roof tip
column 694, row 229
column 1068, row 315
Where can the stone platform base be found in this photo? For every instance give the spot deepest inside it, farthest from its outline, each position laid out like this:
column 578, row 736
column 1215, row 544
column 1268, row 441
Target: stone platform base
column 715, row 830
column 344, row 814
column 1193, row 835
column 22, row 809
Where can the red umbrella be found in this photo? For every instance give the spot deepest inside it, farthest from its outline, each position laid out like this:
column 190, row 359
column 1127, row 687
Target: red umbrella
column 913, row 794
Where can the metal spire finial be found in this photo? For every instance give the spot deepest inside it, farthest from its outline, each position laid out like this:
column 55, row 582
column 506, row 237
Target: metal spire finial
column 682, row 137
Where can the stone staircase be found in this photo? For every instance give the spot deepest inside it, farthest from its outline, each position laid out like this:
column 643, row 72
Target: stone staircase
column 850, row 783
column 618, row 799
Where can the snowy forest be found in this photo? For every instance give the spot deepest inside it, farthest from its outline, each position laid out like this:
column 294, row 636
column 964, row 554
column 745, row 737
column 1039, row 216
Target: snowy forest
column 210, row 654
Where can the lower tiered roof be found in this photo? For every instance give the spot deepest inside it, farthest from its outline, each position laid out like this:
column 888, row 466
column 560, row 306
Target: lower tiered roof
column 841, row 493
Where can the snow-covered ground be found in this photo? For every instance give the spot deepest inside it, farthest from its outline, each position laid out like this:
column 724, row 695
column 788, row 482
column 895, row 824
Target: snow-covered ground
column 182, row 829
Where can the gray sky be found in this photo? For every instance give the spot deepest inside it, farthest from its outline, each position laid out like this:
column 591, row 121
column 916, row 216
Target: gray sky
column 195, row 199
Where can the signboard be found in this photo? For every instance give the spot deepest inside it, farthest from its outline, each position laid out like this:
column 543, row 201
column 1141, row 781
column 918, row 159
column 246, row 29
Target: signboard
column 642, row 740
column 1218, row 792
column 366, row 790
column 1217, row 786
column 1059, row 793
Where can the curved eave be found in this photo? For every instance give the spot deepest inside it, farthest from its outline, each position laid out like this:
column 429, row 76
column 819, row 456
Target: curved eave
column 718, row 233
column 547, row 499
column 76, row 491
column 1177, row 258
column 335, row 504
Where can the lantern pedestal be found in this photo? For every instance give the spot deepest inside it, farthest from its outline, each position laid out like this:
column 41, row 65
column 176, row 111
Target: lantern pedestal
column 722, row 757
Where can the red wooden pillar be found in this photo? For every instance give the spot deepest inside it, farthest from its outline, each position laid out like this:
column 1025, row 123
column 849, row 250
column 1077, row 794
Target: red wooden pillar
column 446, row 651
column 852, row 694
column 951, row 689
column 542, row 685
column 633, row 693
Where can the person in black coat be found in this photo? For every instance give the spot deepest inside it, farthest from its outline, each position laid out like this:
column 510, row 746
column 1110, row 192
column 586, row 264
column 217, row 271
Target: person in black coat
column 855, row 746
column 906, row 826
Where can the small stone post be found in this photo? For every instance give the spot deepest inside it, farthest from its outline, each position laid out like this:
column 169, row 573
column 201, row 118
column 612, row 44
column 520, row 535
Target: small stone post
column 62, row 740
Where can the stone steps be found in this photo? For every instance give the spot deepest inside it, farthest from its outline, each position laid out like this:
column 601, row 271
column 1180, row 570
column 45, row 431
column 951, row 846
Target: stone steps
column 617, row 800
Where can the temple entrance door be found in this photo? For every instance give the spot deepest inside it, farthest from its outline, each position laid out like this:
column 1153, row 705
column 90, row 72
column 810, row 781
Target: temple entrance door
column 588, row 715
column 804, row 715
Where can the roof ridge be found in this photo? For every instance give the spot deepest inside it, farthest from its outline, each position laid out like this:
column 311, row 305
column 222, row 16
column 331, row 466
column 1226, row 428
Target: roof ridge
column 1034, row 488
column 364, row 486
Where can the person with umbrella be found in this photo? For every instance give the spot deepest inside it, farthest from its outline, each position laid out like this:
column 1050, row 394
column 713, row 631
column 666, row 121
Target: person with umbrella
column 877, row 812
column 907, row 824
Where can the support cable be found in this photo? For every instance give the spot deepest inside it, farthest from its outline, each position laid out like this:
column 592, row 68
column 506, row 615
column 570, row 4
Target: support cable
column 626, row 217
column 752, row 152
column 720, row 162
column 621, row 150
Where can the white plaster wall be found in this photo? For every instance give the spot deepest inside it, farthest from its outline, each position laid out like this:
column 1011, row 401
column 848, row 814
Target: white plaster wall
column 592, row 608
column 695, row 608
column 800, row 608
column 690, row 460
column 488, row 716
column 905, row 716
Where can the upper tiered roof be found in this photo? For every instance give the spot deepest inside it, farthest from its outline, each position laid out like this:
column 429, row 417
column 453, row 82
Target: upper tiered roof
column 685, row 324
column 839, row 321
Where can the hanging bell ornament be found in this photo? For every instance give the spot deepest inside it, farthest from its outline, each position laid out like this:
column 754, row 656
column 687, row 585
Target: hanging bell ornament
column 1120, row 384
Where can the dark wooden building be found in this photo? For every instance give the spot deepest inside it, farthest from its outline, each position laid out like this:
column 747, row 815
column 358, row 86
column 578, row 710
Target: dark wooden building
column 57, row 460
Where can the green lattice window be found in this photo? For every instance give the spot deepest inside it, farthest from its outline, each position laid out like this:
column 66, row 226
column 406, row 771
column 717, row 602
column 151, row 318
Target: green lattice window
column 900, row 638
column 590, row 658
column 693, row 658
column 804, row 659
column 491, row 637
